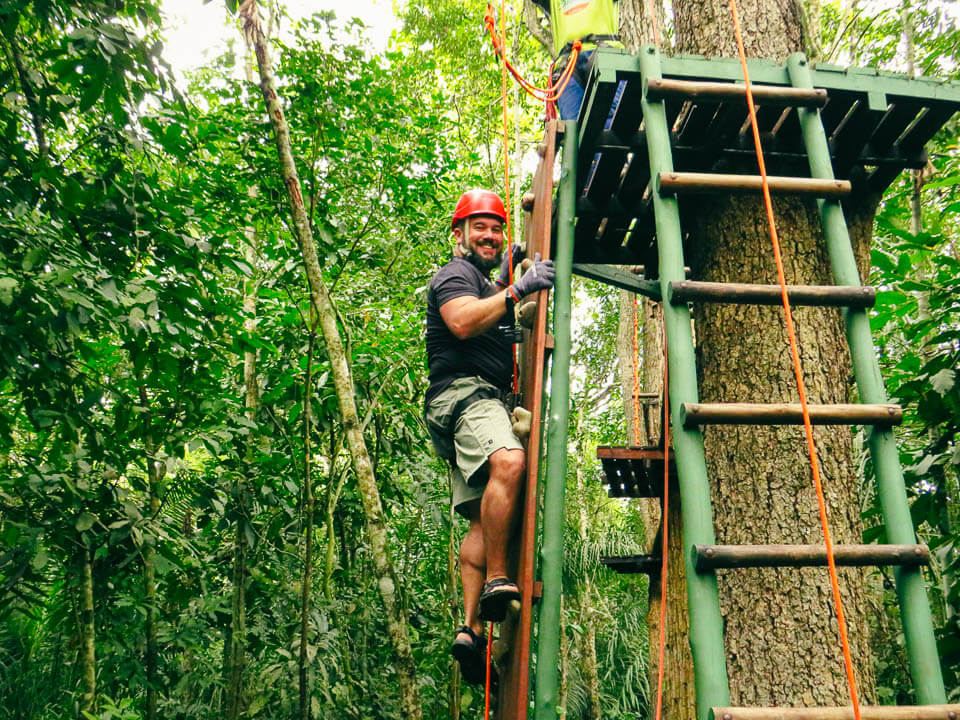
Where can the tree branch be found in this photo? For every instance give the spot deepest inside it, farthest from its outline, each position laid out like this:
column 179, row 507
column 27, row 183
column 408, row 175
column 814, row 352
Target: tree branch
column 540, row 32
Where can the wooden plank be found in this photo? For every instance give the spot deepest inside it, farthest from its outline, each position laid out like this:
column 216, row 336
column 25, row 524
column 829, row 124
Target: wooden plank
column 851, row 137
column 898, row 118
column 611, row 238
column 618, row 278
column 838, row 106
column 515, row 681
column 694, row 414
column 634, row 564
column 713, row 557
column 698, row 118
column 629, row 113
column 632, row 453
column 641, row 245
column 659, row 88
column 867, row 712
column 635, row 182
column 787, row 137
column 606, row 177
column 678, row 182
column 750, row 294
column 723, row 130
column 926, row 126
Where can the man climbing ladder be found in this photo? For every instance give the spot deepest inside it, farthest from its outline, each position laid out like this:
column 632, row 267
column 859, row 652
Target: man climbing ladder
column 470, row 358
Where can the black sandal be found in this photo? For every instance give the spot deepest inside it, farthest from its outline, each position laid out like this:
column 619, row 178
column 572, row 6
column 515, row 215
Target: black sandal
column 472, row 656
column 496, row 598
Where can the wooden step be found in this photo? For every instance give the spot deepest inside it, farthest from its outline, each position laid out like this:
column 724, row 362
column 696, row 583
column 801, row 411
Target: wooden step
column 634, row 564
column 867, row 712
column 691, row 182
column 694, row 414
column 713, row 557
column 767, row 95
column 634, row 471
column 750, row 294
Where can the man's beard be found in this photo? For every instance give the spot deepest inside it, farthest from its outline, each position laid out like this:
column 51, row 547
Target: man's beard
column 484, row 266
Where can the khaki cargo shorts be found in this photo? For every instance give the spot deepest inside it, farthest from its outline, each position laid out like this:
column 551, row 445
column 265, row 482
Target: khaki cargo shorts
column 468, row 440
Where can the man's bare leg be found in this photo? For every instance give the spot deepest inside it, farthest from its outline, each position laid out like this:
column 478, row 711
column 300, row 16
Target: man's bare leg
column 498, row 508
column 472, row 569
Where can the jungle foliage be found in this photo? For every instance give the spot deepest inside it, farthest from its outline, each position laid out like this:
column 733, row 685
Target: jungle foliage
column 146, row 250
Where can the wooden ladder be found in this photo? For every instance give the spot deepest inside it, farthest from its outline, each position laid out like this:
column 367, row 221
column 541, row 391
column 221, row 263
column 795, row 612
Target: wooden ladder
column 689, row 415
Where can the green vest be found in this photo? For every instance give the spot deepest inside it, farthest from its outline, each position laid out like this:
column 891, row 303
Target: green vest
column 575, row 19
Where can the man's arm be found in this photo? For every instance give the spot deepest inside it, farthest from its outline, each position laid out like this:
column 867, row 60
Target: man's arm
column 469, row 316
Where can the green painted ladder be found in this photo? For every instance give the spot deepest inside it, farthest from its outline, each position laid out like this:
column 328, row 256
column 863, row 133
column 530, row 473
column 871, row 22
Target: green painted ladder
column 706, row 632
column 688, row 414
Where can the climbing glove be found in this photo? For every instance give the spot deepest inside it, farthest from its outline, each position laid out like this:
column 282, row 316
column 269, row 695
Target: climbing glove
column 538, row 277
column 510, row 259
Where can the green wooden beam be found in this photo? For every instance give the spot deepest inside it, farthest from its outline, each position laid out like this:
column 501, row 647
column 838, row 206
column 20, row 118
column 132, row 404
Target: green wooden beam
column 551, row 554
column 912, row 595
column 706, row 623
column 613, row 63
column 618, row 278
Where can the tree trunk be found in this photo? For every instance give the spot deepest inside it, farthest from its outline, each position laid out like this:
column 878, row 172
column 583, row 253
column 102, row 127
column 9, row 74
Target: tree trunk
column 235, row 652
column 782, row 647
column 88, row 656
column 396, row 625
column 306, row 581
column 453, row 605
column 154, row 475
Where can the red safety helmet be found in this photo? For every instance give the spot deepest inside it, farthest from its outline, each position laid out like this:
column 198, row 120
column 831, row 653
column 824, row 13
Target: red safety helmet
column 478, row 202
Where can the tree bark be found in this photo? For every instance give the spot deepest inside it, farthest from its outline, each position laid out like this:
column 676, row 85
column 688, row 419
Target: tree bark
column 782, row 647
column 538, row 30
column 236, row 651
column 396, row 625
column 453, row 605
column 88, row 654
column 307, row 579
column 29, row 93
column 155, row 472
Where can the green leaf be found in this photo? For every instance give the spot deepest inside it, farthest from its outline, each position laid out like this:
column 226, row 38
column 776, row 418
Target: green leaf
column 8, row 286
column 85, row 522
column 943, row 381
column 40, row 560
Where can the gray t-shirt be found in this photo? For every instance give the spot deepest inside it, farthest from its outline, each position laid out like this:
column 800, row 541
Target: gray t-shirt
column 488, row 355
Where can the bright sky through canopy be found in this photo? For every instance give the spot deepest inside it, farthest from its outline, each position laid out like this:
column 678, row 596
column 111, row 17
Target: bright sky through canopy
column 196, row 32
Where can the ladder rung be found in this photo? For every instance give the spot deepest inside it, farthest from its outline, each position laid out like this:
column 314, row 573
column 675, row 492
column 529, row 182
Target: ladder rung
column 689, row 182
column 776, row 95
column 867, row 712
column 694, row 414
column 634, row 564
column 858, row 296
column 713, row 557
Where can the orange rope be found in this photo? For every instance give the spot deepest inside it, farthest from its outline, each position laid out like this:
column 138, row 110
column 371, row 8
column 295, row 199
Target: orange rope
column 506, row 177
column 486, row 689
column 798, row 371
column 551, row 92
column 661, row 653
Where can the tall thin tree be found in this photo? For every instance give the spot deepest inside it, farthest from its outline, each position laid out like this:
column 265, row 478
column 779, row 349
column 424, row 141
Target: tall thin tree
column 343, row 381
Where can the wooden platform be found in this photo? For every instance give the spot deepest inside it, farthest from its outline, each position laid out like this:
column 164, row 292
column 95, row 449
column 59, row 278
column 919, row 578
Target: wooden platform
column 877, row 124
column 634, row 471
